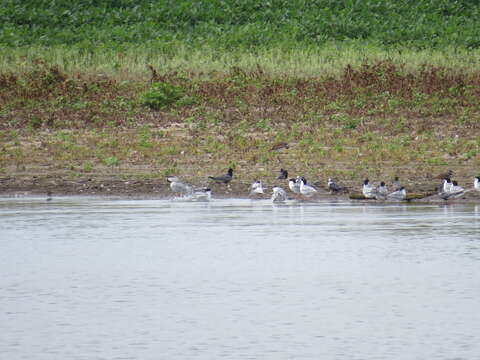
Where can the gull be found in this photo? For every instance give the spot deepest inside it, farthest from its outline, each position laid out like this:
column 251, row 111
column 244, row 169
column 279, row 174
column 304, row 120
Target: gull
column 223, row 178
column 382, row 191
column 256, row 188
column 398, row 195
column 396, row 184
column 369, row 191
column 476, row 183
column 278, row 194
column 305, row 189
column 454, row 192
column 334, row 187
column 202, row 194
column 283, row 174
column 178, row 186
column 294, row 185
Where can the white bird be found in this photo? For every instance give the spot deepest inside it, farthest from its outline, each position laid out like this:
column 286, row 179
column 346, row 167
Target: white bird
column 454, row 192
column 178, row 186
column 398, row 195
column 305, row 189
column 369, row 191
column 382, row 191
column 476, row 183
column 294, row 185
column 256, row 188
column 202, row 194
column 278, row 194
column 447, row 185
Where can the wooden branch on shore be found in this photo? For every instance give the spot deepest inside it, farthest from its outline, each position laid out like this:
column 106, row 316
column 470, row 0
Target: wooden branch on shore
column 411, row 196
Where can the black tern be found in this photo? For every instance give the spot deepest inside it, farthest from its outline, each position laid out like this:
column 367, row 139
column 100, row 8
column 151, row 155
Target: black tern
column 225, row 179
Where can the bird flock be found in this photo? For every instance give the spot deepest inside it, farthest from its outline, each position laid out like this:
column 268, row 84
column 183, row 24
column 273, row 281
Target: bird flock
column 301, row 189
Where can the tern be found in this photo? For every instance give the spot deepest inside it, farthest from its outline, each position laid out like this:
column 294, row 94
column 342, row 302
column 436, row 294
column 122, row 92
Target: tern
column 278, row 194
column 178, row 186
column 305, row 189
column 225, row 179
column 398, row 195
column 382, row 191
column 256, row 188
column 369, row 191
column 283, row 174
column 334, row 187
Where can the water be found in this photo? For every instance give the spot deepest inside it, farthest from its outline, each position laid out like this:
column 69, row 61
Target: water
column 90, row 278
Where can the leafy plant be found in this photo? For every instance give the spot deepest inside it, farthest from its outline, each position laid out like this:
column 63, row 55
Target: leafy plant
column 161, row 95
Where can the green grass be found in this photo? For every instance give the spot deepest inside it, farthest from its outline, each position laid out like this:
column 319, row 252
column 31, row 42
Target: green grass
column 330, row 59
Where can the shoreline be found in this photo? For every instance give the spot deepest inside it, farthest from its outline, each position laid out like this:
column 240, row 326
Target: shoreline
column 159, row 189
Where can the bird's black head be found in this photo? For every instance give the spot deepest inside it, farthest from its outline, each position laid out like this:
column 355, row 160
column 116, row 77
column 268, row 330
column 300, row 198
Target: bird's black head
column 477, row 177
column 454, row 183
column 402, row 188
column 382, row 183
column 304, row 180
column 292, row 179
column 230, row 172
column 366, row 182
column 447, row 179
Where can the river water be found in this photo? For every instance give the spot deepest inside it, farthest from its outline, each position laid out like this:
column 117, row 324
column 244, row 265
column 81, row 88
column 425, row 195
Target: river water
column 93, row 278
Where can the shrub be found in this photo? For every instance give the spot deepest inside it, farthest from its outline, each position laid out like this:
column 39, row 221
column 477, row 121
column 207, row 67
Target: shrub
column 161, row 95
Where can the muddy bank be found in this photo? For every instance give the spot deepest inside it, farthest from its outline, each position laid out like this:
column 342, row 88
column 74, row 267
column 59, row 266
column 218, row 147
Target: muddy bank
column 158, row 188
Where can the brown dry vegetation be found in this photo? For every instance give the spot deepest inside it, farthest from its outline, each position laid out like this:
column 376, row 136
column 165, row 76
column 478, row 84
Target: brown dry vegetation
column 376, row 120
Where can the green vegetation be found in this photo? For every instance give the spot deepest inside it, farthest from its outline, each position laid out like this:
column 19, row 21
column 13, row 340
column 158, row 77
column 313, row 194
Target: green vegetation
column 230, row 24
column 353, row 87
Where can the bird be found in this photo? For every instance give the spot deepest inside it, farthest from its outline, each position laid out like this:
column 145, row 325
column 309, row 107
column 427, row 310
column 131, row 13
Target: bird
column 49, row 196
column 305, row 189
column 453, row 192
column 398, row 195
column 256, row 188
column 294, row 185
column 476, row 183
column 447, row 185
column 278, row 194
column 225, row 179
column 178, row 186
column 382, row 191
column 396, row 185
column 369, row 191
column 202, row 194
column 334, row 187
column 279, row 146
column 283, row 174
column 447, row 174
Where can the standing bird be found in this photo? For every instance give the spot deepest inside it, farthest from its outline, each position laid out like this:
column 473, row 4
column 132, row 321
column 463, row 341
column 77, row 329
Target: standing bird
column 334, row 187
column 278, row 194
column 256, row 188
column 455, row 191
column 476, row 183
column 396, row 185
column 283, row 174
column 294, row 185
column 447, row 185
column 178, row 186
column 398, row 195
column 305, row 189
column 225, row 179
column 49, row 196
column 382, row 191
column 369, row 191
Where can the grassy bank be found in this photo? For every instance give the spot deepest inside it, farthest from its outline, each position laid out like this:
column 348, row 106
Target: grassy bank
column 374, row 120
